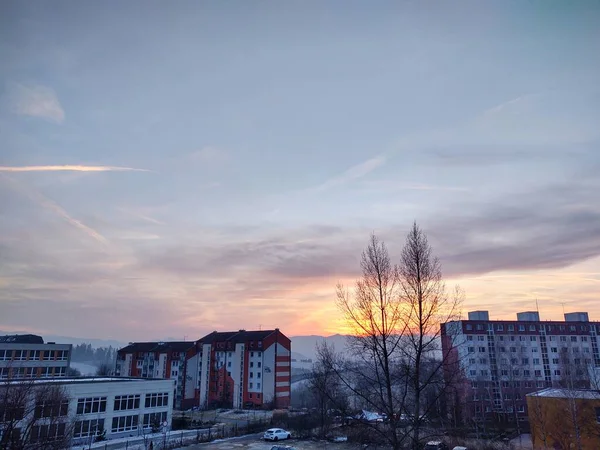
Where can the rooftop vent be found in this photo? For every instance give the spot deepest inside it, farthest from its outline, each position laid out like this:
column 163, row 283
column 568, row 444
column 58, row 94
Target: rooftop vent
column 577, row 317
column 479, row 315
column 528, row 316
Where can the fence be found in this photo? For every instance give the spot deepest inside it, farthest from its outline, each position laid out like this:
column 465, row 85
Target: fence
column 180, row 438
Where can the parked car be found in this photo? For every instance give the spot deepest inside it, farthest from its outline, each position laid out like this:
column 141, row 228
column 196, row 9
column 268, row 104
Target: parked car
column 435, row 445
column 276, row 434
column 460, row 447
column 283, row 447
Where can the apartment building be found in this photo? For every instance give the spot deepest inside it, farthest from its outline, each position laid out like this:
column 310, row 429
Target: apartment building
column 244, row 369
column 501, row 361
column 27, row 356
column 168, row 360
column 120, row 406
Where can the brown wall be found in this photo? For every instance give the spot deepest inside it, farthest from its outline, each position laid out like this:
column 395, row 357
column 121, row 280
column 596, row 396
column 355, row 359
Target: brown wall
column 556, row 420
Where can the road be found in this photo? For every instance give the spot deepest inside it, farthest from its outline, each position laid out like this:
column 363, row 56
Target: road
column 254, row 442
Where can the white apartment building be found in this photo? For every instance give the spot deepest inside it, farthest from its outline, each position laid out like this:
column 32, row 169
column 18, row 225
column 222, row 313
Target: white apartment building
column 502, row 361
column 120, row 406
column 27, row 356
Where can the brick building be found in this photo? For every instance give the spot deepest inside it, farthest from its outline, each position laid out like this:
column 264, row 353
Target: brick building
column 245, row 368
column 502, row 361
column 170, row 360
column 228, row 369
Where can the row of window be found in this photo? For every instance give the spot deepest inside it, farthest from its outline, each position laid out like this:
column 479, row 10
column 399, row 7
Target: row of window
column 125, row 402
column 525, row 361
column 33, row 372
column 483, row 338
column 531, row 327
column 527, row 384
column 85, row 428
column 526, row 372
column 157, row 399
column 124, row 423
column 533, row 349
column 154, row 419
column 51, row 408
column 37, row 355
column 45, row 433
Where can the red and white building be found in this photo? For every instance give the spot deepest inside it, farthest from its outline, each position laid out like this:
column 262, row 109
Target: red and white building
column 168, row 360
column 244, row 368
column 233, row 369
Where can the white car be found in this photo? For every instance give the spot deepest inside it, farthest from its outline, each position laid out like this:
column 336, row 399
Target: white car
column 276, row 434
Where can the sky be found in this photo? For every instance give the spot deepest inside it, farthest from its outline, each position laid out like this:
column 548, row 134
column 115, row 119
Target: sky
column 170, row 169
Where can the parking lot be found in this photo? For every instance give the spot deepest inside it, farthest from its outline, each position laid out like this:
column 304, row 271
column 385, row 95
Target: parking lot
column 255, row 442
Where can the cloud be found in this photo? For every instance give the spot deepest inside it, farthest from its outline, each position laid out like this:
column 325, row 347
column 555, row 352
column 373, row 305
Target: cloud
column 36, row 101
column 69, row 168
column 50, row 205
column 353, row 173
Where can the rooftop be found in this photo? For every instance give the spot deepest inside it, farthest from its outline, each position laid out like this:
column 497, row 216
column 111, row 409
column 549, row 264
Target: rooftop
column 236, row 336
column 588, row 394
column 21, row 339
column 177, row 346
column 58, row 380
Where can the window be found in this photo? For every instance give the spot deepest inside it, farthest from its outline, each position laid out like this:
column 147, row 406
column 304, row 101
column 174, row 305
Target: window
column 34, row 355
column 516, row 372
column 555, row 361
column 598, row 415
column 124, row 402
column 251, row 374
column 156, row 400
column 573, row 338
column 228, row 363
column 5, row 355
column 154, row 418
column 124, row 423
column 484, row 372
column 11, row 412
column 471, row 349
column 513, row 349
column 500, row 327
column 533, row 338
column 563, row 339
column 479, row 327
column 51, row 408
column 521, row 327
column 525, row 361
column 504, row 372
column 481, row 349
column 511, row 328
column 251, row 364
column 84, row 428
column 257, row 385
column 469, row 327
column 46, row 372
column 45, row 433
column 526, row 373
column 91, row 405
column 554, row 349
column 572, row 328
column 536, row 360
column 512, row 338
column 481, row 338
column 557, row 372
column 250, row 385
column 259, row 353
column 538, row 373
column 521, row 408
column 531, row 327
column 20, row 355
column 584, row 339
column 258, row 364
column 503, row 349
column 534, row 350
column 473, row 373
column 62, row 355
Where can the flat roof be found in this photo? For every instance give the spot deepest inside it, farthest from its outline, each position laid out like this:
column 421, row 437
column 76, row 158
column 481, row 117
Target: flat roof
column 588, row 394
column 73, row 380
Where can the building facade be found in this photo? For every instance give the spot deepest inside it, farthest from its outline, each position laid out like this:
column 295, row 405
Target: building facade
column 175, row 361
column 244, row 369
column 120, row 406
column 27, row 356
column 502, row 361
column 564, row 418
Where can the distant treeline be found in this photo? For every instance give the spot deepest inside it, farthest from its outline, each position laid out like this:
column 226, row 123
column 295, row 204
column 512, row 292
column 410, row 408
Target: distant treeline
column 88, row 354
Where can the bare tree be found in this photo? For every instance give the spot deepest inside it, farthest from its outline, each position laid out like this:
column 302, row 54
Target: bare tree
column 34, row 415
column 395, row 314
column 104, row 370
